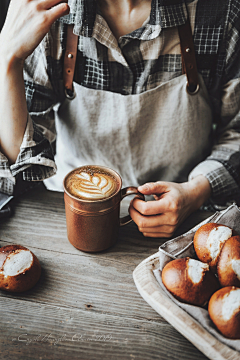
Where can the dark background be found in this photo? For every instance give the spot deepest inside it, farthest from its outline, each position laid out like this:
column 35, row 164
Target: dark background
column 3, row 11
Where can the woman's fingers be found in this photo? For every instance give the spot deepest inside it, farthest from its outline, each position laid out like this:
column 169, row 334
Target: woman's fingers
column 29, row 17
column 53, row 9
column 159, row 187
column 158, row 218
column 166, row 229
column 149, row 207
column 48, row 4
column 58, row 11
column 157, row 235
column 153, row 220
column 174, row 202
column 148, row 221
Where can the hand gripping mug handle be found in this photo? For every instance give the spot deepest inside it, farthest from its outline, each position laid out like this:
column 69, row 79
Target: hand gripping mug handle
column 130, row 190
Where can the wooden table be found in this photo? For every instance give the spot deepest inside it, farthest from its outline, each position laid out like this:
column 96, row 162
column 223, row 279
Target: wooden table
column 85, row 306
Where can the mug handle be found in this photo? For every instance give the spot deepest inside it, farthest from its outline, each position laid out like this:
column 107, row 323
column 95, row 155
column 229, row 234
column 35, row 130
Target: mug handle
column 130, row 190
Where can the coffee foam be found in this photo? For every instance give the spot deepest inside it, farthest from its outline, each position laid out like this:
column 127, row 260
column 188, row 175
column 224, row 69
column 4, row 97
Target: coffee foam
column 91, row 184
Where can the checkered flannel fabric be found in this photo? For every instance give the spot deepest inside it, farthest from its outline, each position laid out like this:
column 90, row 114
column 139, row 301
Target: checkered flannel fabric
column 133, row 64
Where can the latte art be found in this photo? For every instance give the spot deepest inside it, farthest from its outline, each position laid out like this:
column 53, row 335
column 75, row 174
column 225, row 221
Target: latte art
column 91, row 185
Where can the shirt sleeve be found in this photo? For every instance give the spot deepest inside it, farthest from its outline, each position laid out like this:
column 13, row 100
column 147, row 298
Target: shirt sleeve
column 222, row 167
column 35, row 161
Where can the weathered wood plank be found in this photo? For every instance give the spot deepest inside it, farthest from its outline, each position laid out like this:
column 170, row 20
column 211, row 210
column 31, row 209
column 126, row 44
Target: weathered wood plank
column 40, row 216
column 97, row 289
column 38, row 331
column 78, row 281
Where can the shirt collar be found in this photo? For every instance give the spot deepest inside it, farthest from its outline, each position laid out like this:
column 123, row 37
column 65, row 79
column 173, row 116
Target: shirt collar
column 168, row 13
column 82, row 15
column 164, row 13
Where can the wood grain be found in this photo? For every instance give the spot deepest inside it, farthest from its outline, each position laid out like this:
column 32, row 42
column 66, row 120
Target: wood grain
column 90, row 294
column 60, row 333
column 77, row 281
column 40, row 216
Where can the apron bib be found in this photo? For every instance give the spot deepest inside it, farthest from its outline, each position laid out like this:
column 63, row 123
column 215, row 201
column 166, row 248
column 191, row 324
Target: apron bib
column 161, row 134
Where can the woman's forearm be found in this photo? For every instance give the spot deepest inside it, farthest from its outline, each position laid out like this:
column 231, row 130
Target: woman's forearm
column 13, row 107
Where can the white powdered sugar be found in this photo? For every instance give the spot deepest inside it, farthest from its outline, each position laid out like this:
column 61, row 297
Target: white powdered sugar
column 196, row 270
column 231, row 304
column 216, row 239
column 17, row 262
column 236, row 267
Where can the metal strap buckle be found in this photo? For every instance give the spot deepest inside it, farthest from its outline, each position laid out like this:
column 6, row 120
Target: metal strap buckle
column 70, row 94
column 194, row 92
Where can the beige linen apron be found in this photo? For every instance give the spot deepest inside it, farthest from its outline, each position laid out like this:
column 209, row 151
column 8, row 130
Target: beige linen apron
column 161, row 134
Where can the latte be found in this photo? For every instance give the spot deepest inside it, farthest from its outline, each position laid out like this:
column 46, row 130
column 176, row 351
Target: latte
column 91, row 183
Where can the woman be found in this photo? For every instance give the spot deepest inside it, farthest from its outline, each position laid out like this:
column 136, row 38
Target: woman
column 132, row 110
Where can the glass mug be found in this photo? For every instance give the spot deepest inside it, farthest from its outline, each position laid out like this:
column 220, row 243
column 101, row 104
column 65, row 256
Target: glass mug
column 92, row 216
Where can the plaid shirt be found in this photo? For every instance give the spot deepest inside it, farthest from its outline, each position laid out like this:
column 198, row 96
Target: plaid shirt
column 137, row 62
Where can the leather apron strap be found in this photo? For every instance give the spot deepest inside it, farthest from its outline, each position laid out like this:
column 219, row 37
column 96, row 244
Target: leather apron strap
column 187, row 50
column 189, row 63
column 69, row 62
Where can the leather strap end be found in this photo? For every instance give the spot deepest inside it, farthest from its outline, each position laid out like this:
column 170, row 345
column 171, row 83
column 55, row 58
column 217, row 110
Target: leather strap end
column 70, row 58
column 189, row 64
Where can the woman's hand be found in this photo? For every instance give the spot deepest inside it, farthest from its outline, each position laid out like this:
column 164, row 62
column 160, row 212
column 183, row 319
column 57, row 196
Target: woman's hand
column 174, row 203
column 27, row 22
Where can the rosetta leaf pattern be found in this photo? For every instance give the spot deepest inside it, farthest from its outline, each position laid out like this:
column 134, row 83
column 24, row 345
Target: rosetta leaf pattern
column 92, row 186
